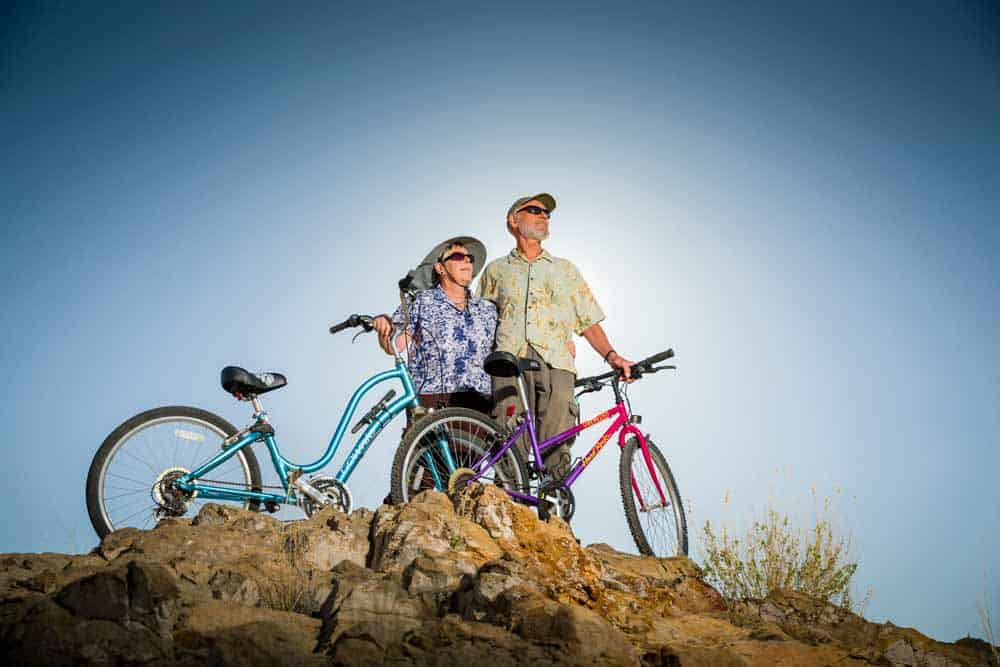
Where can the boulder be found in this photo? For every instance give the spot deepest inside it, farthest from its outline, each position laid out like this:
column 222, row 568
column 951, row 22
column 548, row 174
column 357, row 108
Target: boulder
column 469, row 579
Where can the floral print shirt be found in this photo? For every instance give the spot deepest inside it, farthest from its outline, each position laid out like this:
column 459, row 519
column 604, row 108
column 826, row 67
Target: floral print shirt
column 449, row 344
column 541, row 304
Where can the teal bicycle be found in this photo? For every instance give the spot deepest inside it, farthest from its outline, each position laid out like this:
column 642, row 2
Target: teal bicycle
column 168, row 461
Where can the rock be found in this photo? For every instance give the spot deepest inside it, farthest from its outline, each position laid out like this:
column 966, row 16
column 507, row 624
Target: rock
column 471, row 579
column 427, row 525
column 232, row 586
column 44, row 633
column 434, row 578
column 222, row 633
column 372, row 611
column 328, row 538
column 139, row 593
column 582, row 632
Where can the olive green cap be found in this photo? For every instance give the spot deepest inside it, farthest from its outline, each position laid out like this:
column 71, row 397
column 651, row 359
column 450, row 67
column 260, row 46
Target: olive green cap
column 544, row 197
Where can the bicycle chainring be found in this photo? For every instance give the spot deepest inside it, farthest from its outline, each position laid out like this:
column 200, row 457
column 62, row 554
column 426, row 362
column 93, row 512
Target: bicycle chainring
column 562, row 499
column 337, row 494
column 459, row 479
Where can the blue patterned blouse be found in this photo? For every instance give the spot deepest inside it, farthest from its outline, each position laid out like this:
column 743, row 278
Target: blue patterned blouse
column 449, row 345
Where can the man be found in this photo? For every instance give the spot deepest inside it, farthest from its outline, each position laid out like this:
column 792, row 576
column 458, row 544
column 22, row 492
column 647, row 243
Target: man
column 542, row 301
column 450, row 330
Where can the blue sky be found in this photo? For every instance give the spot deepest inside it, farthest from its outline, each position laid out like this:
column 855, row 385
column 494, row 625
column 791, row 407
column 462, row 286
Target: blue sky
column 800, row 200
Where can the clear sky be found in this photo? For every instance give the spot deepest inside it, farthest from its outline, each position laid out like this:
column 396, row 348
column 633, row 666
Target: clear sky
column 800, row 198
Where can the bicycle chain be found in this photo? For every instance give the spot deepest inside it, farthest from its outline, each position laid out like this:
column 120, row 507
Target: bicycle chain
column 240, row 484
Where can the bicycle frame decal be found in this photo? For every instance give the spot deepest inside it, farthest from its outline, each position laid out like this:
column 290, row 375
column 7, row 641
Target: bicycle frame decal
column 283, row 467
column 621, row 418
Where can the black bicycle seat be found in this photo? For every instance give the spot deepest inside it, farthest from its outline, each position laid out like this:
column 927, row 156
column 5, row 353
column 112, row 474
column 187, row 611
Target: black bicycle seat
column 242, row 383
column 506, row 365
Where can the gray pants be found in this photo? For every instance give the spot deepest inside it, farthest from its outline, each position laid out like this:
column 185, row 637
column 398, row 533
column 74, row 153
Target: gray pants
column 551, row 401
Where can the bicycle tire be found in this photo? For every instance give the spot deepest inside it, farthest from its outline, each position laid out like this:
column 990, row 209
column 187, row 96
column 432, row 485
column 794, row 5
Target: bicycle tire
column 132, row 437
column 471, row 435
column 665, row 532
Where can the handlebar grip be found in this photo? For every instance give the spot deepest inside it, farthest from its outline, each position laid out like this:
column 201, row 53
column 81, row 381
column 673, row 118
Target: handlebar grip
column 657, row 358
column 351, row 321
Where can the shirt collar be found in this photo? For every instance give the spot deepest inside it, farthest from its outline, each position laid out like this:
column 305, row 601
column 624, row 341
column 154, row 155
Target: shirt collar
column 440, row 296
column 516, row 254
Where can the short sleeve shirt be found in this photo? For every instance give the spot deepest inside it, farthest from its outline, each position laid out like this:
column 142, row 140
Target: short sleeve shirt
column 541, row 304
column 449, row 343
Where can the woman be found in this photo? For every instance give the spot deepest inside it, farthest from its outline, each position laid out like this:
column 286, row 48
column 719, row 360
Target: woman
column 447, row 329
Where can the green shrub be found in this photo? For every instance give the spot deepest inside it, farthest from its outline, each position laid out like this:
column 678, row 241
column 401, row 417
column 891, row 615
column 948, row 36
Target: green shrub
column 776, row 553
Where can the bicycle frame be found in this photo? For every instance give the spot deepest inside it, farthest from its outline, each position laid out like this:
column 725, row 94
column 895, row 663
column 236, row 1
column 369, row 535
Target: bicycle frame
column 262, row 431
column 621, row 424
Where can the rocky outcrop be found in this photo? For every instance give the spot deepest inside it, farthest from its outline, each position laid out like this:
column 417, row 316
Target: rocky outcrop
column 464, row 580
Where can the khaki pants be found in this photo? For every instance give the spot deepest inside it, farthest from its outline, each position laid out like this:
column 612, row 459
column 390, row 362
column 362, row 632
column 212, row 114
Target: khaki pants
column 551, row 401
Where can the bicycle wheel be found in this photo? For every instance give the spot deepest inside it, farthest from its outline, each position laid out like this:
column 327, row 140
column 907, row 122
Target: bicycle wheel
column 652, row 502
column 129, row 476
column 444, row 446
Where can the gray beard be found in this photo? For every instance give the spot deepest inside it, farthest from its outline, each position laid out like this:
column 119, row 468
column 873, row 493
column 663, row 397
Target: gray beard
column 529, row 231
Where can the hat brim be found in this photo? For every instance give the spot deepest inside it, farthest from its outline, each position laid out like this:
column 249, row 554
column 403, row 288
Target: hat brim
column 423, row 275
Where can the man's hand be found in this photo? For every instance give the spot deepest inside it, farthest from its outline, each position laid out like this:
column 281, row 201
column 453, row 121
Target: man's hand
column 599, row 341
column 618, row 361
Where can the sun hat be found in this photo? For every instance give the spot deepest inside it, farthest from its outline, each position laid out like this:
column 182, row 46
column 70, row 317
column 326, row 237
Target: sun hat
column 544, row 197
column 422, row 277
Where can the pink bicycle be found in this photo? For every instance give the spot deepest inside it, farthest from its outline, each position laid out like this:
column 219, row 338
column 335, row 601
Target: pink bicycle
column 453, row 447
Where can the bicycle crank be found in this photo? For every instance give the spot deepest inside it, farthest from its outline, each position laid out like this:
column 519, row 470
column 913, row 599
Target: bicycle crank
column 562, row 499
column 330, row 492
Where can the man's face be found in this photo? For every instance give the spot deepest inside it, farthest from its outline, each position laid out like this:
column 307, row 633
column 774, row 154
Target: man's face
column 457, row 265
column 531, row 220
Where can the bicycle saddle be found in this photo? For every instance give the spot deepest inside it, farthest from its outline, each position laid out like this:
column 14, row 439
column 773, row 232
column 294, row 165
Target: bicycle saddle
column 506, row 365
column 242, row 384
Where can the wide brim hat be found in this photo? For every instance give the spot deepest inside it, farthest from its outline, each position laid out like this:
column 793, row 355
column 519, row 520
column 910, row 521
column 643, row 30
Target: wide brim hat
column 422, row 277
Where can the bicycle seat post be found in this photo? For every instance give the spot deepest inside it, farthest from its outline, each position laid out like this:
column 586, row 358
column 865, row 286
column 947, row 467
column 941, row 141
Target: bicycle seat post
column 523, row 393
column 258, row 409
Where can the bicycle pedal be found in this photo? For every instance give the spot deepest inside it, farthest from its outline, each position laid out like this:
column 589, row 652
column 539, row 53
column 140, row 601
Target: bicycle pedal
column 545, row 509
column 271, row 506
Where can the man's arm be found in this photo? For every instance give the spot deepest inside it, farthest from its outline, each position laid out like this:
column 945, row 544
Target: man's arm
column 599, row 341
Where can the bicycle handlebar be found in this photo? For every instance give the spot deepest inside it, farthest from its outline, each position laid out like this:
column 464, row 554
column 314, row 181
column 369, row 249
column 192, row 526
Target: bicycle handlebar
column 595, row 382
column 363, row 321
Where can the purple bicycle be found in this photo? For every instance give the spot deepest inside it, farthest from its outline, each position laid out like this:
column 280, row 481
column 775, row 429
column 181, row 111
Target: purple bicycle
column 452, row 447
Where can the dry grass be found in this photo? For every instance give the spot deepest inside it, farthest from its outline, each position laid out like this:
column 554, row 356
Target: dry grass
column 286, row 586
column 777, row 552
column 287, row 592
column 986, row 620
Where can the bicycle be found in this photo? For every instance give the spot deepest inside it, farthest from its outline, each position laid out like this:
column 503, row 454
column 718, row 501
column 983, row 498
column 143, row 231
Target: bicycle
column 152, row 467
column 426, row 457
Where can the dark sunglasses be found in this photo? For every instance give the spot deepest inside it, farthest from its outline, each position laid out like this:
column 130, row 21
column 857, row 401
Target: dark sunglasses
column 536, row 210
column 459, row 257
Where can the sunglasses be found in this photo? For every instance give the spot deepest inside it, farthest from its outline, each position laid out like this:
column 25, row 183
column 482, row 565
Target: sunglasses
column 536, row 210
column 459, row 257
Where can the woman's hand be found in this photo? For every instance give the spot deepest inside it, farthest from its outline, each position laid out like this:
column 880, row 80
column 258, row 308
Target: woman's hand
column 383, row 327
